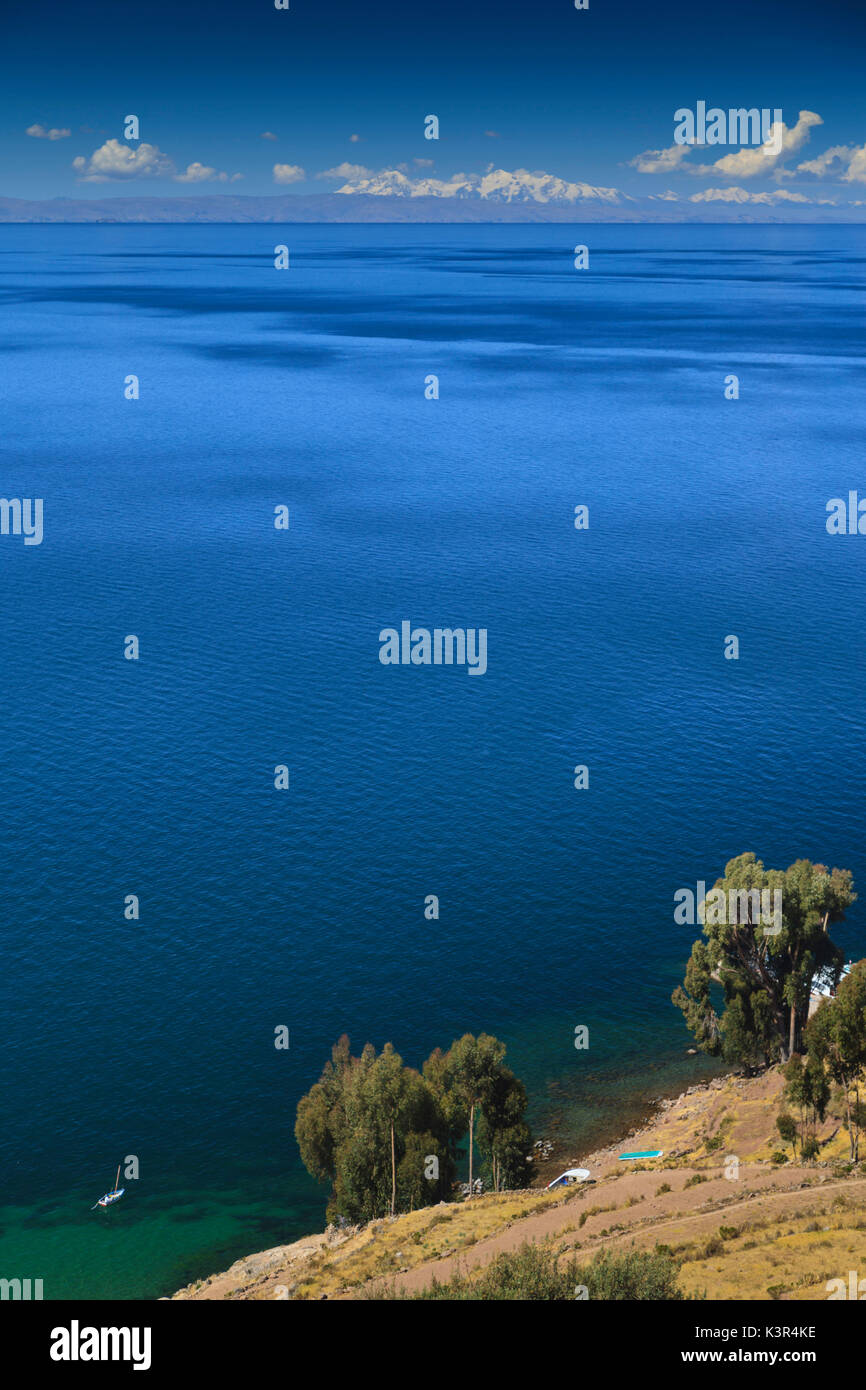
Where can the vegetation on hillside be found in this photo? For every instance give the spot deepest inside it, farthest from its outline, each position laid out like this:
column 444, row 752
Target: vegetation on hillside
column 836, row 1045
column 807, row 1091
column 533, row 1272
column 387, row 1137
column 779, row 1230
column 766, row 968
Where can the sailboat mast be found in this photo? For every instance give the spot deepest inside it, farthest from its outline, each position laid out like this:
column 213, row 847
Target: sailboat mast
column 117, row 1179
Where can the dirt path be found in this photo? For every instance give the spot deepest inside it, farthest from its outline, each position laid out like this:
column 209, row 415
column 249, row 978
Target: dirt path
column 648, row 1218
column 786, row 1199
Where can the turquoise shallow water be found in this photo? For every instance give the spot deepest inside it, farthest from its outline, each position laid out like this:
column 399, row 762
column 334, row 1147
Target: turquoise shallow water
column 306, row 908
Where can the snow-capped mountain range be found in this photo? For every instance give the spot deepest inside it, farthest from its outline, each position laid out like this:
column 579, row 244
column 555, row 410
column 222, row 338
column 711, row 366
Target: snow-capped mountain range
column 359, row 194
column 497, row 185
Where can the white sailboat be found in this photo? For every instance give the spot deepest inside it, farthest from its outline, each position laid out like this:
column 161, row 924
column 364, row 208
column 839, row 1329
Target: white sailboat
column 110, row 1197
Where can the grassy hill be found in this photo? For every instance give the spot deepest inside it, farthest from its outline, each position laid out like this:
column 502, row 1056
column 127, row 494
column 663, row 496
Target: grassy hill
column 756, row 1229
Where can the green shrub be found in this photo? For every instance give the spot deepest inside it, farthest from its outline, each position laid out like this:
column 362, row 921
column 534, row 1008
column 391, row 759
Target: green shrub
column 532, row 1273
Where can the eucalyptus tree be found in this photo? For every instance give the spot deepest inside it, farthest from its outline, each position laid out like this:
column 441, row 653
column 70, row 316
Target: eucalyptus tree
column 836, row 1037
column 473, row 1086
column 363, row 1125
column 765, row 940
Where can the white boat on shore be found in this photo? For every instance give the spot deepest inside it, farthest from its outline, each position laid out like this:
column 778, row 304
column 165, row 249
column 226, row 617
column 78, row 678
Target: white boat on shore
column 569, row 1176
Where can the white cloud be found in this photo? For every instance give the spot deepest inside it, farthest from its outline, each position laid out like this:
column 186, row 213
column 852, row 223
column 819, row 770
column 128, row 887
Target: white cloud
column 847, row 163
column 203, row 173
column 492, row 134
column 856, row 172
column 114, row 160
column 39, row 132
column 500, row 185
column 267, row 135
column 354, row 139
column 753, row 160
column 346, row 171
column 661, row 161
column 831, row 163
column 289, row 173
column 742, row 195
column 666, row 197
column 745, row 163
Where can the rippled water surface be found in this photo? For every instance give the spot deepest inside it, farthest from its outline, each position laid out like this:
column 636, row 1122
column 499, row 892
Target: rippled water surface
column 260, row 647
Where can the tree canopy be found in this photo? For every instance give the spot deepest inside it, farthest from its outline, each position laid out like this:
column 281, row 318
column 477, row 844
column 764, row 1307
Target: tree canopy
column 836, row 1040
column 764, row 961
column 387, row 1137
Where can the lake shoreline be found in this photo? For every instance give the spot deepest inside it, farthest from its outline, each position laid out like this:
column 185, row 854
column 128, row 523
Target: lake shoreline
column 257, row 1264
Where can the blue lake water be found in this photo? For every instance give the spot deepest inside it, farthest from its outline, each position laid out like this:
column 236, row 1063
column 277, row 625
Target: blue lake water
column 258, row 647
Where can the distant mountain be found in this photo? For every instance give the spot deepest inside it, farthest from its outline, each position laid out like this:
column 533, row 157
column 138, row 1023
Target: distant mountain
column 497, row 202
column 496, row 186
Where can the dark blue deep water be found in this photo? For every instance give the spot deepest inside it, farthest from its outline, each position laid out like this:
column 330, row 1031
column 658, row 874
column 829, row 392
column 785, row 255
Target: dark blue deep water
column 260, row 647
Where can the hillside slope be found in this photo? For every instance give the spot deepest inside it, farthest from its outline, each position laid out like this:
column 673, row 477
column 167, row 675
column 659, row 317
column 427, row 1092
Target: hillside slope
column 746, row 1230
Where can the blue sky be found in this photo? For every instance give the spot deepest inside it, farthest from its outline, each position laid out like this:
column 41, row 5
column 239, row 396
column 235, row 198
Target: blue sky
column 538, row 86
